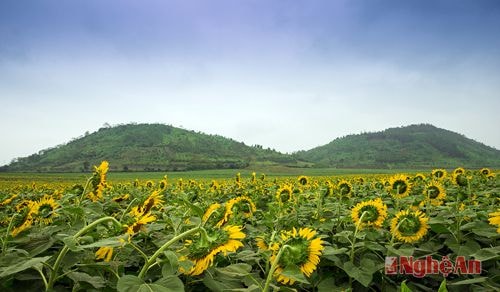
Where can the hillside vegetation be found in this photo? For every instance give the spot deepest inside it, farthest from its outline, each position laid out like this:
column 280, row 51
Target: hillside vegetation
column 148, row 147
column 415, row 146
column 157, row 147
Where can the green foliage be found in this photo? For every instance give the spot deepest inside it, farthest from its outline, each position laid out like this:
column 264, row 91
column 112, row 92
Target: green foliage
column 415, row 146
column 148, row 147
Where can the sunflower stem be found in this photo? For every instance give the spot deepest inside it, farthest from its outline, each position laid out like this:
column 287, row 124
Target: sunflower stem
column 65, row 249
column 274, row 266
column 6, row 239
column 153, row 258
column 82, row 196
column 358, row 225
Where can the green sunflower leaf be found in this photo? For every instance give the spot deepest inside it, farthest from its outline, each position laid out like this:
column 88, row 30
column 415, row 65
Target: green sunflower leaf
column 23, row 265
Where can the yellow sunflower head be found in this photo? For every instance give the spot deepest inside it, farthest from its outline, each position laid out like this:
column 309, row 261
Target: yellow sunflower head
column 45, row 209
column 419, row 177
column 203, row 248
column 303, row 180
column 369, row 213
column 214, row 215
column 240, row 205
column 149, row 184
column 140, row 220
column 485, row 171
column 152, row 201
column 23, row 219
column 284, row 194
column 460, row 179
column 435, row 193
column 302, row 250
column 495, row 219
column 439, row 173
column 162, row 185
column 459, row 170
column 409, row 226
column 399, row 186
column 345, row 188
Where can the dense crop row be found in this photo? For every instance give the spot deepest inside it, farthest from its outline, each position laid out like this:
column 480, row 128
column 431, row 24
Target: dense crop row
column 374, row 233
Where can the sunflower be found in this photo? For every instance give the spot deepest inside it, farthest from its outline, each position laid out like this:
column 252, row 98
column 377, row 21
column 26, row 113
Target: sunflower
column 304, row 251
column 485, row 171
column 149, row 184
column 284, row 194
column 303, row 180
column 495, row 219
column 98, row 181
column 242, row 204
column 140, row 219
column 121, row 198
column 153, row 200
column 345, row 188
column 23, row 219
column 376, row 212
column 409, row 226
column 460, row 179
column 45, row 209
column 162, row 185
column 399, row 186
column 435, row 193
column 459, row 170
column 419, row 177
column 266, row 243
column 439, row 173
column 104, row 253
column 203, row 251
column 8, row 200
column 216, row 209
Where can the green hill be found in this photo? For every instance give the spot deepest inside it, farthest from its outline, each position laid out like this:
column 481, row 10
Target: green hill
column 148, row 147
column 415, row 146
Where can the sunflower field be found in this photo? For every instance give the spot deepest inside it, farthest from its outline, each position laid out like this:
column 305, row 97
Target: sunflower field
column 435, row 231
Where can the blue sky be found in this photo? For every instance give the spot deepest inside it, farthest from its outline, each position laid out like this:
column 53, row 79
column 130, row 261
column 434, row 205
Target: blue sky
column 289, row 75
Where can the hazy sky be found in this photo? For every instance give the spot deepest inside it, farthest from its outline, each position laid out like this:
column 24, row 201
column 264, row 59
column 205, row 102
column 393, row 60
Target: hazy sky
column 285, row 74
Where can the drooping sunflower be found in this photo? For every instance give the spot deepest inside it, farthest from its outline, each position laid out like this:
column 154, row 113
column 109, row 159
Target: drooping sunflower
column 485, row 171
column 98, row 181
column 419, row 177
column 6, row 201
column 149, row 184
column 376, row 212
column 121, row 198
column 345, row 188
column 214, row 215
column 399, row 186
column 162, row 185
column 460, row 179
column 140, row 219
column 284, row 194
column 23, row 219
column 202, row 250
column 104, row 253
column 409, row 226
column 459, row 170
column 152, row 201
column 439, row 173
column 435, row 193
column 303, row 251
column 45, row 209
column 303, row 180
column 242, row 204
column 495, row 219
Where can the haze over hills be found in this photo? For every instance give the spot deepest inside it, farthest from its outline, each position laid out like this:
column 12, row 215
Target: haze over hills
column 158, row 147
column 414, row 146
